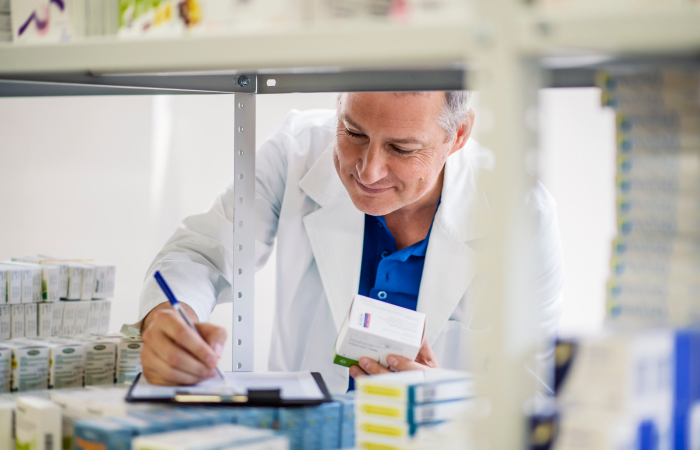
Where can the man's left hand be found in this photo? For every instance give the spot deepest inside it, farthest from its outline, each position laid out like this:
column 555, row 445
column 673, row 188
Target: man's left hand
column 425, row 360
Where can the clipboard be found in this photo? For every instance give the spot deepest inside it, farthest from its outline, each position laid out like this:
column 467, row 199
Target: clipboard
column 265, row 395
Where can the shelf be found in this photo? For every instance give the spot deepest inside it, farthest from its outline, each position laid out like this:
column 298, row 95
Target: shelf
column 346, row 46
column 628, row 32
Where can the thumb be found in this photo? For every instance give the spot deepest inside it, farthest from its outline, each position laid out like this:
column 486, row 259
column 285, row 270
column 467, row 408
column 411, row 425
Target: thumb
column 214, row 335
column 426, row 356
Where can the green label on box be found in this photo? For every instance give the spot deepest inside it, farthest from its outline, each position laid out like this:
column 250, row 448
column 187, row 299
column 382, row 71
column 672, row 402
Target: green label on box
column 343, row 361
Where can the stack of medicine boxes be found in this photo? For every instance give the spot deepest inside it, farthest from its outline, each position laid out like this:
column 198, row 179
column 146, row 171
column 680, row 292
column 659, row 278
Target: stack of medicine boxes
column 390, row 408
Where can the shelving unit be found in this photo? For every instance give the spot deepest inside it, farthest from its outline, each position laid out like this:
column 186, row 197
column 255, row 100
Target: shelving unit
column 507, row 53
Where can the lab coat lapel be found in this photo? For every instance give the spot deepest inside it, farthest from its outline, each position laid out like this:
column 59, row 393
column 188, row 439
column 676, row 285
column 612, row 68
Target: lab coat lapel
column 450, row 262
column 336, row 234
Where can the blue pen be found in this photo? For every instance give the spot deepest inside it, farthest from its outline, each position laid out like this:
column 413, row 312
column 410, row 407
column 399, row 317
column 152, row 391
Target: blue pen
column 178, row 307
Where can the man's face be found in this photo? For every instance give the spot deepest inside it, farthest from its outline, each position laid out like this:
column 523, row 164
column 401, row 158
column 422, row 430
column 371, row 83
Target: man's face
column 390, row 149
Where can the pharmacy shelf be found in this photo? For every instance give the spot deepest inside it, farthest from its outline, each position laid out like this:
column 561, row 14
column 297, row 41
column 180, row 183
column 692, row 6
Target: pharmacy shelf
column 602, row 29
column 346, row 46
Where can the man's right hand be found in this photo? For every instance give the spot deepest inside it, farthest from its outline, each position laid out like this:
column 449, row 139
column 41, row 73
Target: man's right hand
column 173, row 353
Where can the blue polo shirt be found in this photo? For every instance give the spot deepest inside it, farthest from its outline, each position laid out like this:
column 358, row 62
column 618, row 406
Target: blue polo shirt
column 387, row 274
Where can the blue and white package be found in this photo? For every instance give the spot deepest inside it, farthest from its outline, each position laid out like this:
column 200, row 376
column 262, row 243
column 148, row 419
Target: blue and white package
column 347, row 420
column 330, row 416
column 687, row 384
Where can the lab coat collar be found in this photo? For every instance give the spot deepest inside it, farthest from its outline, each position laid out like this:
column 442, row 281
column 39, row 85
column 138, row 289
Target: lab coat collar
column 336, row 233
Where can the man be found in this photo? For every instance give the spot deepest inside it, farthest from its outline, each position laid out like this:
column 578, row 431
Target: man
column 377, row 198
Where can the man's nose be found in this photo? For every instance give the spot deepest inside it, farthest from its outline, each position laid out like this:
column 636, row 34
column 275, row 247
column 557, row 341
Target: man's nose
column 372, row 165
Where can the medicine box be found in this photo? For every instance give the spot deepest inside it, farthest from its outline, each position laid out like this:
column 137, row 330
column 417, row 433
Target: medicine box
column 30, row 365
column 30, row 320
column 106, row 307
column 37, row 424
column 376, row 329
column 17, row 321
column 94, row 317
column 13, row 284
column 67, row 363
column 100, row 360
column 217, row 437
column 37, row 277
column 7, row 422
column 57, row 319
column 5, row 369
column 80, row 326
column 5, row 321
column 70, row 310
column 62, row 272
column 45, row 319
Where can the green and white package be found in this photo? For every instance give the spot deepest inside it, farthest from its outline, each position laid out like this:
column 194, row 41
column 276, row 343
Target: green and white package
column 13, row 284
column 100, row 360
column 67, row 364
column 30, row 365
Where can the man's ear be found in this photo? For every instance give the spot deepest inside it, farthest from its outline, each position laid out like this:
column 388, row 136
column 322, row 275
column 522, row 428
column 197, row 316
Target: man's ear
column 464, row 131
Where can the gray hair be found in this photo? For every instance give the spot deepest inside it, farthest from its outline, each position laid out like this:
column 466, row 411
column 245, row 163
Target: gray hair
column 454, row 111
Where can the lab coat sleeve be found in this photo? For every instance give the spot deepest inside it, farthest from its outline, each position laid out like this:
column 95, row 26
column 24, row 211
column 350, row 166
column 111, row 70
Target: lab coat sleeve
column 197, row 260
column 548, row 278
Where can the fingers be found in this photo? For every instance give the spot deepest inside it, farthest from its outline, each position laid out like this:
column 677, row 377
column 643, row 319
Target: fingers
column 214, row 335
column 372, row 367
column 356, row 372
column 174, row 327
column 157, row 371
column 426, row 356
column 399, row 363
column 176, row 356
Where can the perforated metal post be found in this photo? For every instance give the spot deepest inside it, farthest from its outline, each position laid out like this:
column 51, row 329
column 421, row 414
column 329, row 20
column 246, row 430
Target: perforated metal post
column 244, row 233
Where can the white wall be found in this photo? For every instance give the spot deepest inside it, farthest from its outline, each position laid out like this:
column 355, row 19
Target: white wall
column 110, row 177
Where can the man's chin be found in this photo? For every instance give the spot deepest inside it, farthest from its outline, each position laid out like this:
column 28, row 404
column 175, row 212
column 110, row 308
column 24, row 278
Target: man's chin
column 372, row 206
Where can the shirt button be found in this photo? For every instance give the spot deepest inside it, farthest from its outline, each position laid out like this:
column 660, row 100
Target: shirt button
column 381, row 295
column 385, row 253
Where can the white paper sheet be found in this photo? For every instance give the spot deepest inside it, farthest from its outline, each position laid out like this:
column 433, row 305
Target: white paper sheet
column 292, row 386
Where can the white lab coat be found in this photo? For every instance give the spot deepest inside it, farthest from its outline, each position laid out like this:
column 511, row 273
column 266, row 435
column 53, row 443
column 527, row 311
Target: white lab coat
column 301, row 203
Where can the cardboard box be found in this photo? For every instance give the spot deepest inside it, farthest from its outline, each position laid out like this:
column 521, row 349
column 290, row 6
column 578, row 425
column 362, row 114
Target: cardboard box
column 70, row 309
column 30, row 320
column 57, row 320
column 100, row 360
column 45, row 319
column 220, row 436
column 7, row 422
column 13, row 284
column 67, row 363
column 94, row 317
column 76, row 272
column 105, row 316
column 37, row 278
column 104, row 280
column 128, row 359
column 30, row 365
column 54, row 276
column 80, row 325
column 376, row 329
column 17, row 321
column 5, row 322
column 5, row 369
column 38, row 424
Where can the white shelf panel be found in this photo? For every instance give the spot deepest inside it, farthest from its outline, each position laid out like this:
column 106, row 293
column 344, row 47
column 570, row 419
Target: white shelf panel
column 623, row 32
column 347, row 46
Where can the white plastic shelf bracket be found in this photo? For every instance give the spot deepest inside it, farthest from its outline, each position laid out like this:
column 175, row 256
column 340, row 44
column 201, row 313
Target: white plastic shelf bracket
column 244, row 233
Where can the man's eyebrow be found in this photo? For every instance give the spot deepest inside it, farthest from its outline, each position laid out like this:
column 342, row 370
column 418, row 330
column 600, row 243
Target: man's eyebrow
column 409, row 140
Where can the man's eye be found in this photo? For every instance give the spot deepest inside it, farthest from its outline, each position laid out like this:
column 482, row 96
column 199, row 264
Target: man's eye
column 353, row 135
column 401, row 152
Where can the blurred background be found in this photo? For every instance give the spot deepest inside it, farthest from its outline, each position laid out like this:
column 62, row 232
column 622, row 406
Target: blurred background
column 109, row 178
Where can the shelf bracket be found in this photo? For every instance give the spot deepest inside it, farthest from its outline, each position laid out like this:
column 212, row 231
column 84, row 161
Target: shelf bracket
column 243, row 286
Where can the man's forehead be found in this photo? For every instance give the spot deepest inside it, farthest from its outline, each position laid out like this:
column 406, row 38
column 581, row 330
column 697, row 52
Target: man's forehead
column 391, row 108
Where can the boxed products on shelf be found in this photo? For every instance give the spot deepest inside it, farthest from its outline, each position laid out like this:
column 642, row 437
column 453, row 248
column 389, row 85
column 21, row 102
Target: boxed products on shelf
column 5, row 322
column 100, row 360
column 30, row 320
column 390, row 408
column 37, row 424
column 17, row 321
column 30, row 365
column 11, row 284
column 658, row 196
